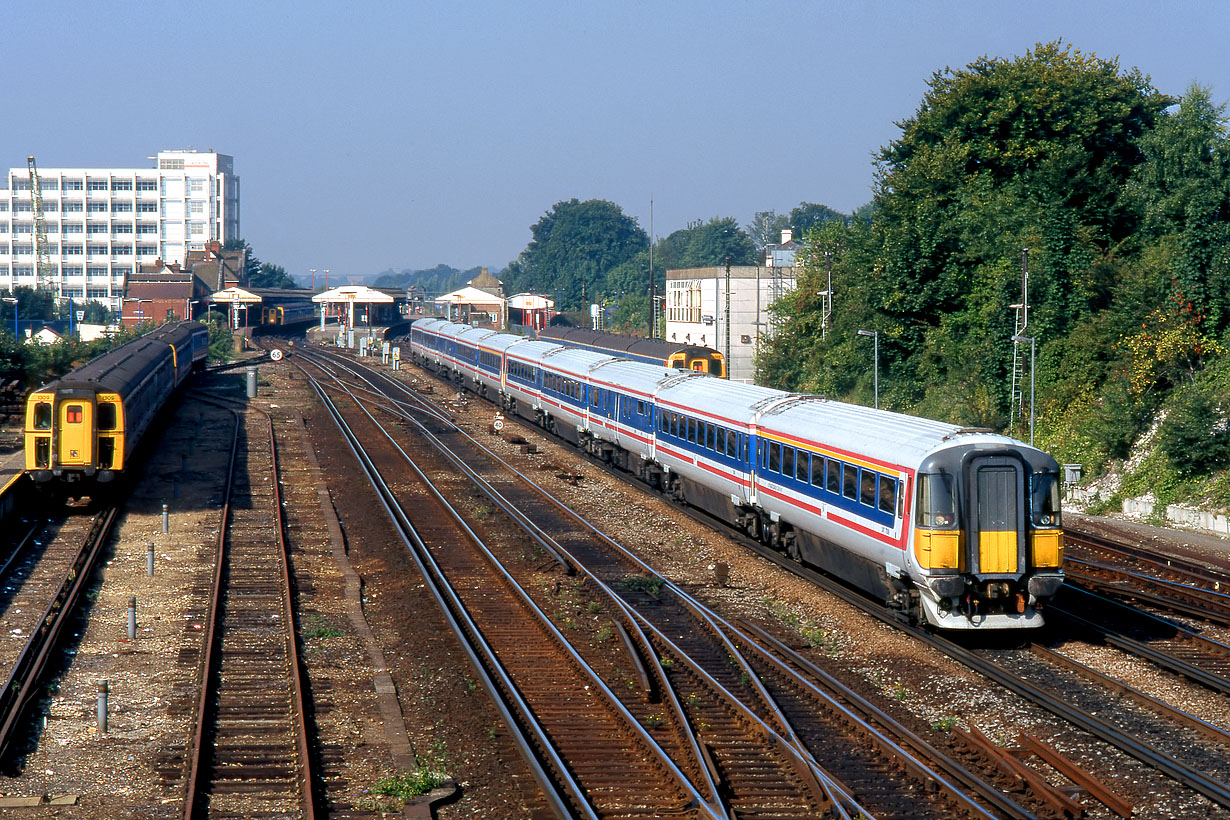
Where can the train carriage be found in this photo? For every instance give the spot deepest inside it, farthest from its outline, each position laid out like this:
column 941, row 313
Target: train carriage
column 675, row 355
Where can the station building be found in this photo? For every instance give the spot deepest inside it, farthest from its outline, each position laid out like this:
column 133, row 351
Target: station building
column 104, row 223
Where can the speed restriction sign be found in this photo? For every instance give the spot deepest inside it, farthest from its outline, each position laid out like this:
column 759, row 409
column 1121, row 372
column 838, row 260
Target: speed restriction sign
column 498, row 424
column 276, row 355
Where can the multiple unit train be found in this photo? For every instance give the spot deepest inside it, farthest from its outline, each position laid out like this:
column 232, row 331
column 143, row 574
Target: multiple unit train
column 85, row 426
column 287, row 314
column 639, row 349
column 956, row 527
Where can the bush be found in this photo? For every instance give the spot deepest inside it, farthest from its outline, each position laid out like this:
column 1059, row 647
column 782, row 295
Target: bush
column 1195, row 438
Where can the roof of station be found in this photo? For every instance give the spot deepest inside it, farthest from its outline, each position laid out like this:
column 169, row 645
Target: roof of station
column 354, row 293
column 228, row 295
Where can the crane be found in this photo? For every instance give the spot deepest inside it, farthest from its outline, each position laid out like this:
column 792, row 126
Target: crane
column 42, row 260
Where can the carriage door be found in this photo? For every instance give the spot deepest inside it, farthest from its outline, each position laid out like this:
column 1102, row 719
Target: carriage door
column 76, row 433
column 996, row 513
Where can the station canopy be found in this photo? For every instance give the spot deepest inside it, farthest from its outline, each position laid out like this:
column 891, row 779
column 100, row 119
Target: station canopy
column 353, row 293
column 233, row 295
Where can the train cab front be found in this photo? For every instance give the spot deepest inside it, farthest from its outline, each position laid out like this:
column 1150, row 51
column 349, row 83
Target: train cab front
column 61, row 434
column 988, row 541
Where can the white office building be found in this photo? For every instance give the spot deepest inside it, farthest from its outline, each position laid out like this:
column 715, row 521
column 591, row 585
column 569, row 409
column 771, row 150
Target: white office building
column 103, row 223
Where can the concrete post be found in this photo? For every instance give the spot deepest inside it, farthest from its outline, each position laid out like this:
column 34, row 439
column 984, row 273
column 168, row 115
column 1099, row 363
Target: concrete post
column 132, row 618
column 149, row 560
column 102, row 707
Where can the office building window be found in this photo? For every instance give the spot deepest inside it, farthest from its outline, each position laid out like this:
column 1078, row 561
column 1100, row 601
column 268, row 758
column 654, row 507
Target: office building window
column 171, row 164
column 96, row 250
column 121, row 207
column 96, row 293
column 72, row 250
column 4, row 206
column 96, row 207
column 121, row 227
column 72, row 292
column 51, row 206
column 196, row 228
column 147, row 207
column 147, row 229
column 121, row 184
column 73, row 185
column 95, row 227
column 21, row 248
column 147, row 250
column 73, row 207
column 121, row 250
column 48, row 184
column 21, row 183
column 73, row 270
column 196, row 185
column 196, row 206
column 23, row 207
column 23, row 227
column 4, row 227
column 96, row 185
column 73, row 227
column 24, row 271
column 147, row 185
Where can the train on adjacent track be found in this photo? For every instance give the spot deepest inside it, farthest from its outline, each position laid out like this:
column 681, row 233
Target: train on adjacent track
column 288, row 314
column 678, row 356
column 83, row 428
column 959, row 528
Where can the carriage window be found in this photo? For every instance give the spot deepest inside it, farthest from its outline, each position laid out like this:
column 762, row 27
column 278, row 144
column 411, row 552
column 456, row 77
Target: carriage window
column 106, row 416
column 1044, row 490
column 710, row 436
column 775, row 457
column 936, row 508
column 73, row 414
column 849, row 481
column 788, row 461
column 817, row 471
column 833, row 476
column 801, row 466
column 42, row 416
column 867, row 488
column 888, row 495
column 732, row 444
column 641, row 408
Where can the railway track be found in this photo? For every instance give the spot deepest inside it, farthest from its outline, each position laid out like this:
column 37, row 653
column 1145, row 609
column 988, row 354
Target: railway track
column 1123, row 571
column 858, row 766
column 42, row 580
column 250, row 754
column 1210, row 783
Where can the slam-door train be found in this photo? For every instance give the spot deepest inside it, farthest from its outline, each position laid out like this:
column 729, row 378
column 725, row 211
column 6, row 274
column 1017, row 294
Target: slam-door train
column 956, row 527
column 83, row 428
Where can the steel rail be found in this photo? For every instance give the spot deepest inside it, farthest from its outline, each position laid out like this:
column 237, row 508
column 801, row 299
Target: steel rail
column 304, row 771
column 21, row 686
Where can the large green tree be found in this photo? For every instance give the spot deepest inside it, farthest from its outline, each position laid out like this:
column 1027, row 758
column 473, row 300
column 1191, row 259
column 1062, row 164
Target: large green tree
column 573, row 248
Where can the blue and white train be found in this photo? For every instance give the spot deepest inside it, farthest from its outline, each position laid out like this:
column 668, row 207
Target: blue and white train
column 956, row 527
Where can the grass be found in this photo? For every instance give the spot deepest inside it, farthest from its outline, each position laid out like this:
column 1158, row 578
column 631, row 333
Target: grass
column 650, row 584
column 319, row 628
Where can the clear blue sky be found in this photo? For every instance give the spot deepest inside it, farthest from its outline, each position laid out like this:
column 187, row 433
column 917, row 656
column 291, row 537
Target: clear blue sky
column 405, row 134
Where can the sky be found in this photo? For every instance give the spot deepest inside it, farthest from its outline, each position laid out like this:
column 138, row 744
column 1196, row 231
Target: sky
column 371, row 136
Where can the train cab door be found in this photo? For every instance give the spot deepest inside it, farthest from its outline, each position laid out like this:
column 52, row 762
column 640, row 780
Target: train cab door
column 75, row 432
column 996, row 515
column 699, row 365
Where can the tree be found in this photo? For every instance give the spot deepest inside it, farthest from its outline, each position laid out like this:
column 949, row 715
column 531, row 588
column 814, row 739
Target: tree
column 251, row 263
column 766, row 229
column 573, row 248
column 271, row 276
column 809, row 215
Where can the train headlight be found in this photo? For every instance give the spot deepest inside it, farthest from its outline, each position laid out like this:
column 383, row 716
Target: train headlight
column 1046, row 519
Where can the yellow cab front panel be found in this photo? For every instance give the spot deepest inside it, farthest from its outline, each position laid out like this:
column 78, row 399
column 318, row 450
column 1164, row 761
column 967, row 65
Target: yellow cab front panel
column 75, row 425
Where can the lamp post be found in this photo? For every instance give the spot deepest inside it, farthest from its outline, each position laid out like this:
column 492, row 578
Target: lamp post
column 875, row 340
column 313, row 270
column 1032, row 342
